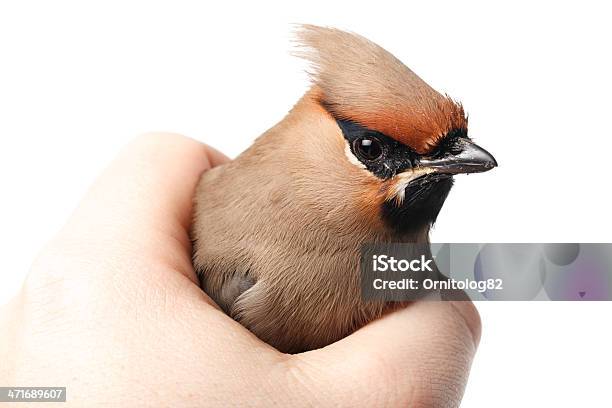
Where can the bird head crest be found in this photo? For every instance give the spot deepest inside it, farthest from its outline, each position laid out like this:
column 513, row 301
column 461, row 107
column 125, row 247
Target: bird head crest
column 362, row 82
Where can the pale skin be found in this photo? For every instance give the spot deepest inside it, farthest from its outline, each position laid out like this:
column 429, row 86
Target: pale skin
column 111, row 309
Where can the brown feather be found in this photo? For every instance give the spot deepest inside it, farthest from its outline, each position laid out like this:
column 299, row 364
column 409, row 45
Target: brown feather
column 277, row 232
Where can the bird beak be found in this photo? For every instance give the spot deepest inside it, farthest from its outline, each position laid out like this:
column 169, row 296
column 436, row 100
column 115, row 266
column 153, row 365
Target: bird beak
column 470, row 159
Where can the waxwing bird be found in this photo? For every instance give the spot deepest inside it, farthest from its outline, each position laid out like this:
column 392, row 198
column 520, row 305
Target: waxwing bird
column 367, row 155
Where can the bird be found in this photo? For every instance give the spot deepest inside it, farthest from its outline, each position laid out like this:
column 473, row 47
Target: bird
column 366, row 155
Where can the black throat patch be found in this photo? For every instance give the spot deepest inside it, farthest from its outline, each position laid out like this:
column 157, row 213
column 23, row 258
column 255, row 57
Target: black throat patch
column 423, row 201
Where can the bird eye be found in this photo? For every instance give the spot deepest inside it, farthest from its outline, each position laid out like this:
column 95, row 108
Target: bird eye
column 368, row 148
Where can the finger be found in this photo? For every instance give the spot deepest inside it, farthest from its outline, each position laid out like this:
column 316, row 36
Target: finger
column 215, row 157
column 140, row 207
column 419, row 357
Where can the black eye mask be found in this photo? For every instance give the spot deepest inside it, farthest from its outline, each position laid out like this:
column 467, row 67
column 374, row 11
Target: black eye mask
column 385, row 156
column 380, row 154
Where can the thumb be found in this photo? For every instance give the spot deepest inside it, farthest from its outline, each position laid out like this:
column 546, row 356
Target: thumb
column 419, row 356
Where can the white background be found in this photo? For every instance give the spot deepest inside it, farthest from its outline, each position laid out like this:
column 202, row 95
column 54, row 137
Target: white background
column 77, row 81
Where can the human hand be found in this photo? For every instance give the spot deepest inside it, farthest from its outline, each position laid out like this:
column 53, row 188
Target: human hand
column 112, row 310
